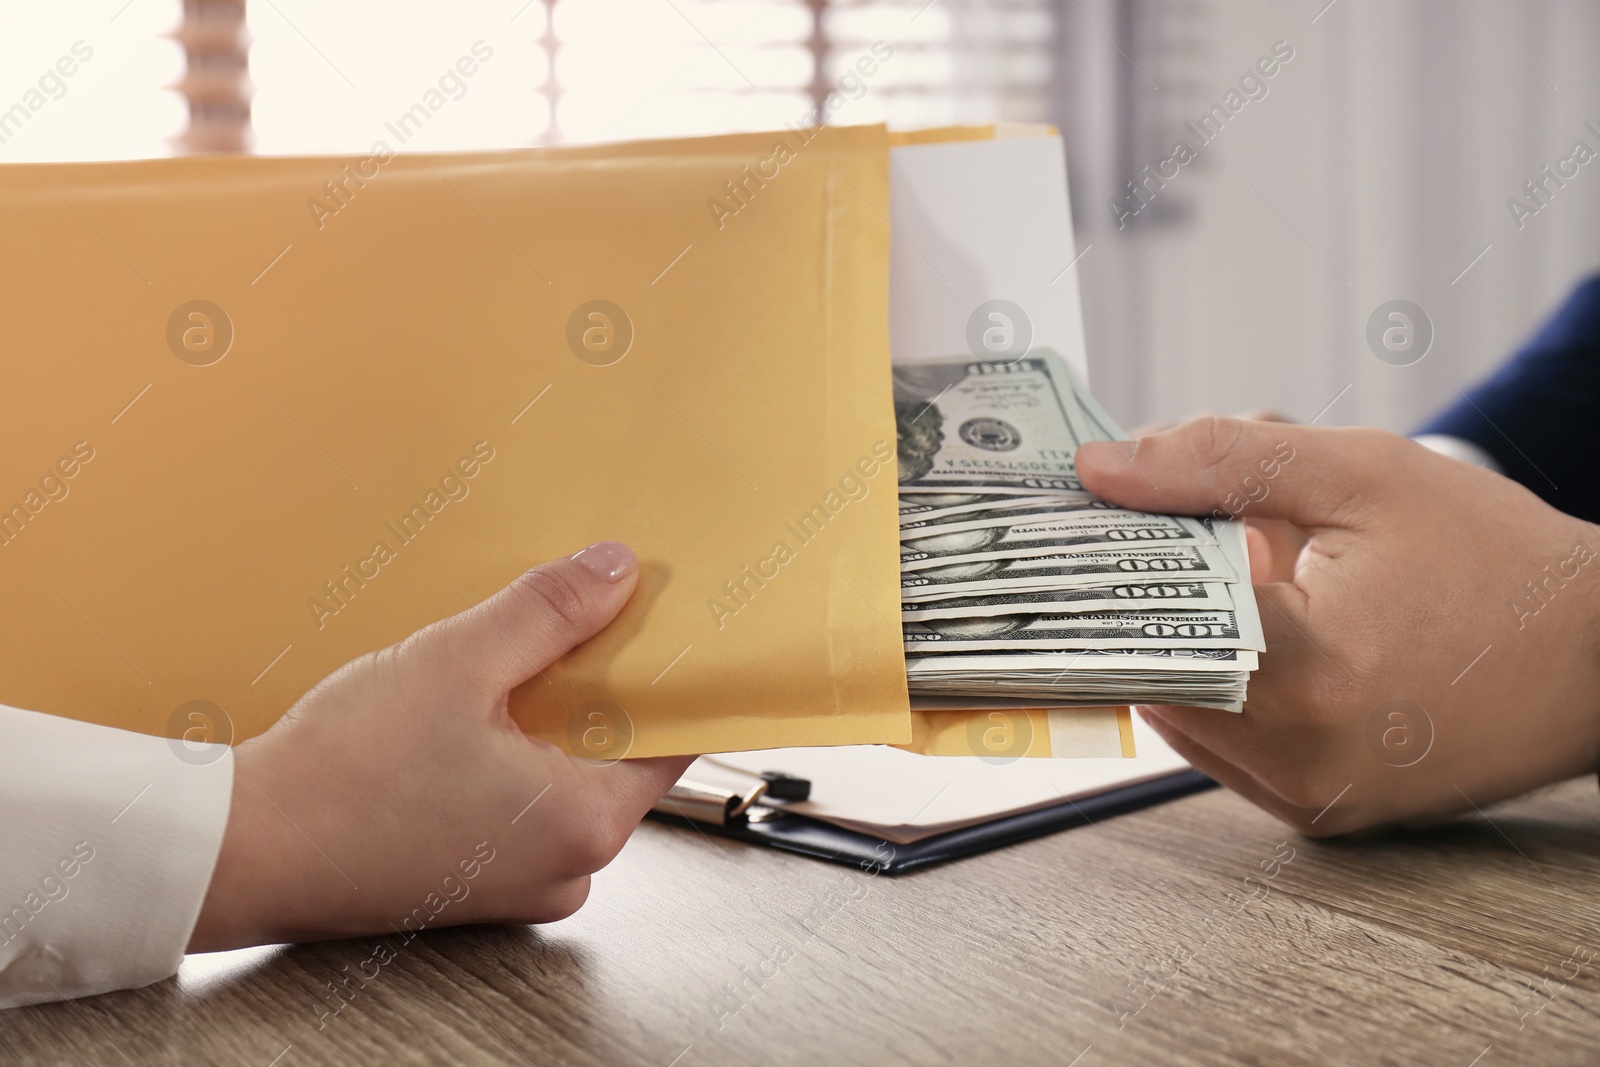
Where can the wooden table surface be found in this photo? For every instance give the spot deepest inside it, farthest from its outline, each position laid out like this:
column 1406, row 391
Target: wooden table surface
column 1134, row 941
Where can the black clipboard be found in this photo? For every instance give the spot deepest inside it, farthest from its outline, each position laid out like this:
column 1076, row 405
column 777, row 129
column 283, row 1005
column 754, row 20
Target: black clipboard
column 806, row 836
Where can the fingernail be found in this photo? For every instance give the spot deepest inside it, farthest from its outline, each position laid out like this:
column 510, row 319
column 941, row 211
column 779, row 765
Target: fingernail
column 610, row 561
column 1125, row 449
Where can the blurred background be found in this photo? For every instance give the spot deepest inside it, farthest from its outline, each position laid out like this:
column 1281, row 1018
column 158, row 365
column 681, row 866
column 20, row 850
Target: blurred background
column 1379, row 161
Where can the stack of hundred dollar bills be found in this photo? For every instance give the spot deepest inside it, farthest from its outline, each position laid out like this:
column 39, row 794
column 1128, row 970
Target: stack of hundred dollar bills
column 1016, row 583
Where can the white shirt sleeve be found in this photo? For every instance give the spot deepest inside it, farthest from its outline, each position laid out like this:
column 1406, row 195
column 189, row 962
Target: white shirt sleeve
column 1457, row 448
column 107, row 846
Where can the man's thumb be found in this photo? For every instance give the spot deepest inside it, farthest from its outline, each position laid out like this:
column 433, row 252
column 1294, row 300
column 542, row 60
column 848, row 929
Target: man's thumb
column 544, row 613
column 1231, row 467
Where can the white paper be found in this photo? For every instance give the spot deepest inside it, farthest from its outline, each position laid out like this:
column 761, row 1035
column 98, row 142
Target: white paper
column 976, row 221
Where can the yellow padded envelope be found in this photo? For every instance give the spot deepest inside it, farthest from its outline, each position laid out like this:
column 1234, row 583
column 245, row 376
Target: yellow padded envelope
column 263, row 415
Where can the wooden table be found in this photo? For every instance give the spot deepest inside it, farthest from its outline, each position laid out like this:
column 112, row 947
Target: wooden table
column 1135, row 941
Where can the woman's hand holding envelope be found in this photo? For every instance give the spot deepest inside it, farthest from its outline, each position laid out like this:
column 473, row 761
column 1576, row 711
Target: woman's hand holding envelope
column 1434, row 646
column 398, row 794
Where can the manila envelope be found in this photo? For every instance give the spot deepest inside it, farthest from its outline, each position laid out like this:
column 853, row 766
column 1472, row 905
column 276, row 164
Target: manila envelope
column 265, row 415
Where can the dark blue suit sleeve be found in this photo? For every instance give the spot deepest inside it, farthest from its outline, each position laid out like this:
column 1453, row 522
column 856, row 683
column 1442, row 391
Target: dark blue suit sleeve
column 1536, row 414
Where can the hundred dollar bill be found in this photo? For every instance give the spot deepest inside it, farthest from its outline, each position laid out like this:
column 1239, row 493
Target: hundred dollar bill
column 1089, row 690
column 1231, row 540
column 1019, row 662
column 1153, row 596
column 1102, row 567
column 1209, row 677
column 1027, row 509
column 932, row 506
column 1080, row 692
column 1083, row 531
column 1133, row 630
column 998, row 427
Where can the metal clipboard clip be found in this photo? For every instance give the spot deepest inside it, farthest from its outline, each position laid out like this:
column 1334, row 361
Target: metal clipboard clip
column 720, row 806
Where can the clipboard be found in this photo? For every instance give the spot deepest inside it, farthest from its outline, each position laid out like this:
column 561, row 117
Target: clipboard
column 751, row 816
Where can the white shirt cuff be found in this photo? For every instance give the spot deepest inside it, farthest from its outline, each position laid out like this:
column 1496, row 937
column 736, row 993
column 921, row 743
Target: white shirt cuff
column 106, row 853
column 1457, row 448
